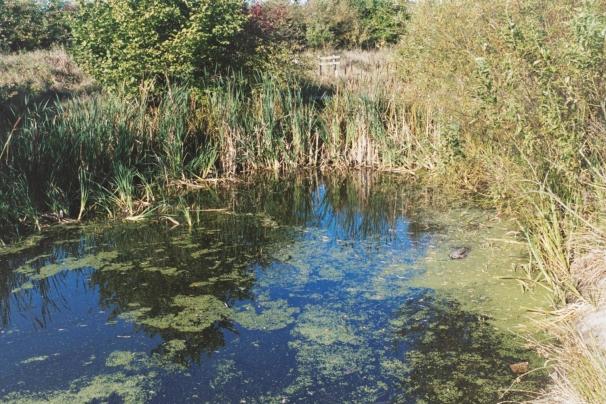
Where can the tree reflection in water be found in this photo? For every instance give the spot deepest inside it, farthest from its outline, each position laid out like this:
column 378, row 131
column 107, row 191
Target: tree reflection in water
column 152, row 264
column 288, row 263
column 451, row 355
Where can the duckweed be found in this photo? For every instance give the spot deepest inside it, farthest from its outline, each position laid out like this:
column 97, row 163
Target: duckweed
column 322, row 303
column 194, row 314
column 123, row 359
column 130, row 389
column 273, row 315
column 35, row 359
column 323, row 326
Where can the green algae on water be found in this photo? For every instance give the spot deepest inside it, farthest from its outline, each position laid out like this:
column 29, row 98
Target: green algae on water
column 21, row 246
column 123, row 359
column 172, row 350
column 69, row 264
column 225, row 371
column 480, row 280
column 164, row 271
column 346, row 368
column 166, row 359
column 195, row 314
column 34, row 359
column 324, row 326
column 135, row 389
column 26, row 286
column 453, row 355
column 273, row 315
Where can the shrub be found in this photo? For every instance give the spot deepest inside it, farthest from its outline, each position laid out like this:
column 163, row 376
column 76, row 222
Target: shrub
column 382, row 22
column 354, row 23
column 124, row 41
column 331, row 23
column 29, row 24
column 280, row 22
column 272, row 38
column 526, row 78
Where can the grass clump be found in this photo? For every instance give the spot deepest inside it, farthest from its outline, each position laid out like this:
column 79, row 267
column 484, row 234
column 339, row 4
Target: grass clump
column 578, row 363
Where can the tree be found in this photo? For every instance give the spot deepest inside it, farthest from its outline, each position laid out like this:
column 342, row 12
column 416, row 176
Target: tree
column 332, row 23
column 29, row 24
column 382, row 21
column 124, row 41
column 354, row 23
column 279, row 21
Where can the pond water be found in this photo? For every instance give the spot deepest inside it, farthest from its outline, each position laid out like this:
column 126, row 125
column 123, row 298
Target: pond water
column 300, row 289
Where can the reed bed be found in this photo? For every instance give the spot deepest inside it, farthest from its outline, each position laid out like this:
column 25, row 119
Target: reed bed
column 114, row 153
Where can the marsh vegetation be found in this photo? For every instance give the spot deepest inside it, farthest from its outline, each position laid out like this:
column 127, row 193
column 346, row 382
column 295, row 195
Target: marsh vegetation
column 499, row 104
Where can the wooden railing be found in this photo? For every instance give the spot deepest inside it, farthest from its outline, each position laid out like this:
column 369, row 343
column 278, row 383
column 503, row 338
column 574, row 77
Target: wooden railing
column 326, row 62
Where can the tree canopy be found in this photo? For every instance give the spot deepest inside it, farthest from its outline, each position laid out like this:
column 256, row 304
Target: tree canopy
column 132, row 41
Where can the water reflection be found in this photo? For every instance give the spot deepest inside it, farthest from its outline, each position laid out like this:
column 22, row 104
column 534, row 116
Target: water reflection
column 150, row 274
column 452, row 355
column 224, row 244
column 284, row 289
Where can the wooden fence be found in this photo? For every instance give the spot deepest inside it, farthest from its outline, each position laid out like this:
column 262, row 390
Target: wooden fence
column 326, row 62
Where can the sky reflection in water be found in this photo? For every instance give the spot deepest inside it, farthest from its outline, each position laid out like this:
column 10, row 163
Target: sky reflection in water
column 304, row 289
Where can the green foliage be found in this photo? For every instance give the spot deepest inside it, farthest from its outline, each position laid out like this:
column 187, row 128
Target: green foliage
column 29, row 24
column 279, row 21
column 354, row 23
column 112, row 152
column 331, row 23
column 16, row 205
column 526, row 79
column 272, row 38
column 382, row 22
column 123, row 41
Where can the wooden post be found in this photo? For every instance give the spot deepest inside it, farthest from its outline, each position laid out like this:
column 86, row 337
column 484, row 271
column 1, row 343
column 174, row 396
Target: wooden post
column 333, row 60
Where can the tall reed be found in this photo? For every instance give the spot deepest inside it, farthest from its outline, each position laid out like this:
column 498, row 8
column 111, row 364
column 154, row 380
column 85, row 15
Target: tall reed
column 106, row 151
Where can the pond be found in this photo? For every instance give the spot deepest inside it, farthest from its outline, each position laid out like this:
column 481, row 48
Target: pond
column 306, row 288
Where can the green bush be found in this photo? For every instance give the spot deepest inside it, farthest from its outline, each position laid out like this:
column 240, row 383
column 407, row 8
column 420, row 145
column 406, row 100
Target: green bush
column 279, row 21
column 382, row 22
column 273, row 36
column 354, row 23
column 331, row 24
column 29, row 24
column 526, row 80
column 133, row 41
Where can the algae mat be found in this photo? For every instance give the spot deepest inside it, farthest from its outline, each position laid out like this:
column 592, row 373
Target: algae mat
column 307, row 289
